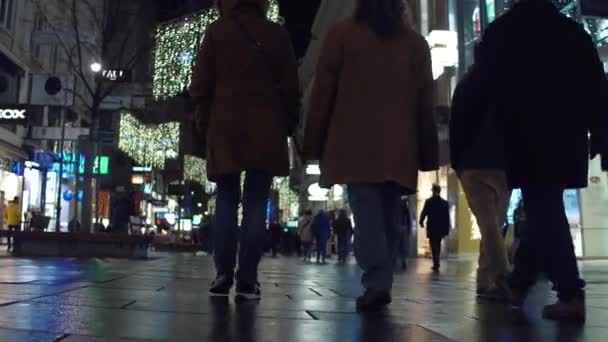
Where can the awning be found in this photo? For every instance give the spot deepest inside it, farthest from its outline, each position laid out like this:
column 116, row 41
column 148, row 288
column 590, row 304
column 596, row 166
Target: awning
column 13, row 152
column 10, row 64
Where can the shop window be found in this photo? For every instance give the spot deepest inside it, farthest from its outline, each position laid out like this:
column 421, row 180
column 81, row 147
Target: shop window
column 7, row 13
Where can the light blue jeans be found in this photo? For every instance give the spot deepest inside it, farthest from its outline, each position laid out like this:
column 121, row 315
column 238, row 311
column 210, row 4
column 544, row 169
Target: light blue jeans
column 376, row 210
column 252, row 234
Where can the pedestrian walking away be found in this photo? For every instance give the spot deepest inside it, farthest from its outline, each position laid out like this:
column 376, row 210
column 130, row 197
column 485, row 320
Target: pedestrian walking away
column 245, row 86
column 550, row 123
column 321, row 229
column 13, row 220
column 477, row 153
column 435, row 217
column 343, row 228
column 374, row 79
column 305, row 234
column 276, row 232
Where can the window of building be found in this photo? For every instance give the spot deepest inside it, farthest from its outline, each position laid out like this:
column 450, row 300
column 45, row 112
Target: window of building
column 7, row 13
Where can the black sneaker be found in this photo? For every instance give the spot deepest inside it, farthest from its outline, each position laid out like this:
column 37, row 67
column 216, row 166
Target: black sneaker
column 221, row 287
column 248, row 292
column 373, row 300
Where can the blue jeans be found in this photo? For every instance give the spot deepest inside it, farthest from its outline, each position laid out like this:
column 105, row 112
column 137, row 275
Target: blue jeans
column 321, row 242
column 343, row 246
column 252, row 234
column 376, row 209
column 403, row 246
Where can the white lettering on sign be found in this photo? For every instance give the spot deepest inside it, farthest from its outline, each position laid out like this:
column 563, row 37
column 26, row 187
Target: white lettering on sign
column 12, row 114
column 113, row 75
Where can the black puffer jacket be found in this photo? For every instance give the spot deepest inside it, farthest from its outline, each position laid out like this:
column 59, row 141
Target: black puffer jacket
column 547, row 84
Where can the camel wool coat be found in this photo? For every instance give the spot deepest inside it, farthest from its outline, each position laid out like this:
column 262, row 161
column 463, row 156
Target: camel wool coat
column 247, row 97
column 371, row 116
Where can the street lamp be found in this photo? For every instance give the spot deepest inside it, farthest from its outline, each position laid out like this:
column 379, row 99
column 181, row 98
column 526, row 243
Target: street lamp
column 96, row 67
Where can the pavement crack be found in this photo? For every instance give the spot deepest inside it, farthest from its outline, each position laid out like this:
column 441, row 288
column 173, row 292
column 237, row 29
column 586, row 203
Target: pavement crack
column 309, row 313
column 162, row 288
column 124, row 307
column 316, row 292
column 62, row 337
column 336, row 292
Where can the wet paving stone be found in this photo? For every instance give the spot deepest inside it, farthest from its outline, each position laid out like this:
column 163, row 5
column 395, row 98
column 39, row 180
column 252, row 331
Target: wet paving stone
column 165, row 299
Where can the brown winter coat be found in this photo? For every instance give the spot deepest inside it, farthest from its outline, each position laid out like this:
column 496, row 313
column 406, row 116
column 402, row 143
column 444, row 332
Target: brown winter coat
column 247, row 97
column 371, row 118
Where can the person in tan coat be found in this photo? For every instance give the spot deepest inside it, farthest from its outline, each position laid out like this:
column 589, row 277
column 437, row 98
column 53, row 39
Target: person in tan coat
column 245, row 85
column 371, row 126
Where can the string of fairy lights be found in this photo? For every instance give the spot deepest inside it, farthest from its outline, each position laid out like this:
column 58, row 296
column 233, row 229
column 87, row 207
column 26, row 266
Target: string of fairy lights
column 195, row 170
column 148, row 145
column 177, row 43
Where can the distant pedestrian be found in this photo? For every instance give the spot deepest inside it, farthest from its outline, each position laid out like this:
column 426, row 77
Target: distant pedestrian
column 371, row 125
column 74, row 225
column 321, row 230
column 405, row 231
column 477, row 153
column 13, row 219
column 276, row 232
column 245, row 86
column 551, row 121
column 343, row 229
column 436, row 217
column 305, row 234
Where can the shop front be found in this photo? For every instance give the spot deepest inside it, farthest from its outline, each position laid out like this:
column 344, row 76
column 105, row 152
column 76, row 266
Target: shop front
column 11, row 184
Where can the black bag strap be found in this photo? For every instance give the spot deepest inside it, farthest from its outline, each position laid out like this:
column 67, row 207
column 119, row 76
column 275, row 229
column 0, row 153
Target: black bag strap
column 258, row 46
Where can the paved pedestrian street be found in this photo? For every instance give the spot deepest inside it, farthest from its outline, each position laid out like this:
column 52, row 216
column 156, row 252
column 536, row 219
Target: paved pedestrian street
column 165, row 299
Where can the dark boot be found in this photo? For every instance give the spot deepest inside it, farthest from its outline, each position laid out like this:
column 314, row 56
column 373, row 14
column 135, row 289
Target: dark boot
column 373, row 300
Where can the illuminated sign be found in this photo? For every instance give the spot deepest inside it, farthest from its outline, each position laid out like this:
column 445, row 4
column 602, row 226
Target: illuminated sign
column 74, row 163
column 13, row 115
column 115, row 75
column 142, row 169
column 313, row 170
column 316, row 193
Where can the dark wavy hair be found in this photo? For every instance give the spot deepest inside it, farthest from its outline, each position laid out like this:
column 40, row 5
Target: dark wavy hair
column 384, row 17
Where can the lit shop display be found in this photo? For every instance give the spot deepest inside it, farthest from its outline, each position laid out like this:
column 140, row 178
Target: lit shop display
column 289, row 204
column 148, row 145
column 177, row 43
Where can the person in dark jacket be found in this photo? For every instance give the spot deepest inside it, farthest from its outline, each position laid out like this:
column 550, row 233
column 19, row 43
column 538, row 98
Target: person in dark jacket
column 477, row 154
column 276, row 232
column 343, row 229
column 123, row 207
column 547, row 85
column 245, row 86
column 436, row 215
column 321, row 229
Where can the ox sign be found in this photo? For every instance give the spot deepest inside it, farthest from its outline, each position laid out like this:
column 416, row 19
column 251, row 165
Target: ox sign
column 10, row 114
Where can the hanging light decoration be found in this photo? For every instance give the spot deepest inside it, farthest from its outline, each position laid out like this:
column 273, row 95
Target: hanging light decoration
column 195, row 170
column 177, row 43
column 288, row 199
column 148, row 145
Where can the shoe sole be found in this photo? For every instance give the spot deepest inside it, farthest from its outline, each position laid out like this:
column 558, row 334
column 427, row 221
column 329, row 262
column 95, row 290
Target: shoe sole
column 214, row 294
column 372, row 308
column 566, row 319
column 247, row 297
